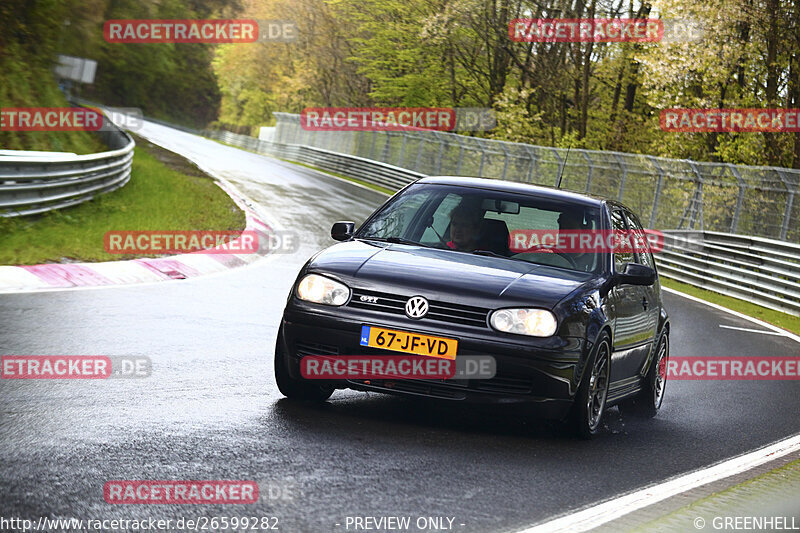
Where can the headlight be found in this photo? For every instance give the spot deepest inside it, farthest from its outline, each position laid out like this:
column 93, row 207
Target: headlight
column 534, row 322
column 322, row 290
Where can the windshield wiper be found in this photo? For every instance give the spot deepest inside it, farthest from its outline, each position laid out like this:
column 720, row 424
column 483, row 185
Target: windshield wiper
column 489, row 253
column 396, row 240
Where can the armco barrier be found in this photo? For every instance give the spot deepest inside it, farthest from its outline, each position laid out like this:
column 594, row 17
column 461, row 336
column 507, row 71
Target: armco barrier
column 760, row 270
column 667, row 193
column 35, row 182
column 375, row 172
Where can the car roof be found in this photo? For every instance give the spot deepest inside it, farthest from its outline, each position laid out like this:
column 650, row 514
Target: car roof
column 516, row 187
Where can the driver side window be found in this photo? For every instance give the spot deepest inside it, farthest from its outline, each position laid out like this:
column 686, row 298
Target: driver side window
column 394, row 220
column 441, row 220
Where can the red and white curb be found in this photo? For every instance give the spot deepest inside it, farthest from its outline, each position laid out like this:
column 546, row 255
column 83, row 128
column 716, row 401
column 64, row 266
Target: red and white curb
column 60, row 276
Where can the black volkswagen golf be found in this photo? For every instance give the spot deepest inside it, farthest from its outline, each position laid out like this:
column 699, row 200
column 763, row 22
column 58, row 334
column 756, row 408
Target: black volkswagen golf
column 452, row 258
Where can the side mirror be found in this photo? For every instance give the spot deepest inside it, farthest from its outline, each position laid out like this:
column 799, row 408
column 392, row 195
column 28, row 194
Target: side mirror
column 636, row 274
column 342, row 231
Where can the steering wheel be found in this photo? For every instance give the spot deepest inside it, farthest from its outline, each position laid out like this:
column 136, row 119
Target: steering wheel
column 569, row 258
column 539, row 248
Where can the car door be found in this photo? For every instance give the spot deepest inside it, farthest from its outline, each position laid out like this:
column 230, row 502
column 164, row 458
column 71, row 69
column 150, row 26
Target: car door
column 651, row 302
column 632, row 336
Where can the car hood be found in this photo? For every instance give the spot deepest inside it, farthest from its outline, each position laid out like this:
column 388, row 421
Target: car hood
column 446, row 275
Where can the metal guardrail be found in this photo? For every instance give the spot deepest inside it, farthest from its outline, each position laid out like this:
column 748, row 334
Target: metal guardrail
column 374, row 172
column 31, row 185
column 667, row 193
column 760, row 270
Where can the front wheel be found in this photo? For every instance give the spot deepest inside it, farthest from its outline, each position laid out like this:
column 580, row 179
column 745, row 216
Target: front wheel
column 296, row 388
column 647, row 403
column 590, row 400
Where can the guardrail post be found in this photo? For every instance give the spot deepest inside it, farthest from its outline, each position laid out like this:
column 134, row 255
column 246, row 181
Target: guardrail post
column 787, row 212
column 483, row 158
column 698, row 199
column 624, row 169
column 372, row 144
column 659, row 186
column 460, row 155
column 739, row 198
column 532, row 166
column 505, row 160
column 419, row 152
column 591, row 170
column 400, row 157
column 438, row 167
column 386, row 147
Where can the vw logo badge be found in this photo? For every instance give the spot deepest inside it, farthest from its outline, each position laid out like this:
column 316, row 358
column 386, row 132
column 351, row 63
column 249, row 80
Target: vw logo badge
column 416, row 307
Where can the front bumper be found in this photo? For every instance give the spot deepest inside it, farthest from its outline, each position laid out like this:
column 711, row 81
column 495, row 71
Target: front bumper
column 543, row 374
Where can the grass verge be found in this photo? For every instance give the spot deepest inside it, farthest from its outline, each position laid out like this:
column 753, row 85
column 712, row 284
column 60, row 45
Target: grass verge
column 165, row 192
column 776, row 318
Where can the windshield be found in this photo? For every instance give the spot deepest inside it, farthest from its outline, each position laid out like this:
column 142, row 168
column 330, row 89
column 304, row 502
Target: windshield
column 464, row 219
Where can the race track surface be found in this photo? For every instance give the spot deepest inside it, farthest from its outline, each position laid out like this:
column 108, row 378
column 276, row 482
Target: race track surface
column 211, row 410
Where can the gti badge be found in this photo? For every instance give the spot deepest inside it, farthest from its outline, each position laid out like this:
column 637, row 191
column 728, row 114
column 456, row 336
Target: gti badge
column 416, row 307
column 370, row 299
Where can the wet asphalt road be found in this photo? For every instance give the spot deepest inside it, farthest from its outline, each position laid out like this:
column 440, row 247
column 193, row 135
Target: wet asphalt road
column 210, row 409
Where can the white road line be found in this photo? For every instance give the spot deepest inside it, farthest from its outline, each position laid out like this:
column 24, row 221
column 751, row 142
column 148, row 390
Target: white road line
column 761, row 323
column 619, row 506
column 751, row 330
column 607, row 511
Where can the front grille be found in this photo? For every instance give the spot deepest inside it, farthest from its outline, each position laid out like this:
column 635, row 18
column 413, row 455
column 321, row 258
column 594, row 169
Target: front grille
column 422, row 387
column 455, row 388
column 438, row 311
column 307, row 348
column 503, row 384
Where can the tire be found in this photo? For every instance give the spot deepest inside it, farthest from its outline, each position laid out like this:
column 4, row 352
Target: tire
column 647, row 403
column 294, row 388
column 589, row 407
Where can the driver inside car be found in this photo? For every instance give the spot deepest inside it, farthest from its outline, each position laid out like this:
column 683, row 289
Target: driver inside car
column 465, row 225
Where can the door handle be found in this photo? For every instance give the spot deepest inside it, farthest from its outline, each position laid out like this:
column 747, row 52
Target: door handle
column 644, row 303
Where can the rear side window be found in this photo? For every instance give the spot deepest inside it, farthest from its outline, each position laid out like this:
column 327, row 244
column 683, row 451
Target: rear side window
column 643, row 257
column 618, row 224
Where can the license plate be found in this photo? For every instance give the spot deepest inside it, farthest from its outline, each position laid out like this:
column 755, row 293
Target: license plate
column 403, row 341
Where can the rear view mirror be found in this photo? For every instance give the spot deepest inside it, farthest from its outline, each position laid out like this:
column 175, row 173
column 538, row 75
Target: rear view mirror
column 500, row 206
column 636, row 274
column 342, row 231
